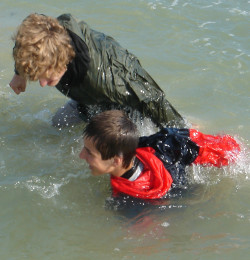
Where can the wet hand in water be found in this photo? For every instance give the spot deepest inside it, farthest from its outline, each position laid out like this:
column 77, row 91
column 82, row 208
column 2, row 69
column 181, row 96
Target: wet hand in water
column 18, row 84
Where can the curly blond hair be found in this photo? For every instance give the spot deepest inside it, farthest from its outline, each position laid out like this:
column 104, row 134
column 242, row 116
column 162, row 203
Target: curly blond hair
column 42, row 45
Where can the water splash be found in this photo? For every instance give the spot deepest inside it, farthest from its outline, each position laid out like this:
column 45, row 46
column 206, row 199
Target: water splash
column 46, row 190
column 238, row 169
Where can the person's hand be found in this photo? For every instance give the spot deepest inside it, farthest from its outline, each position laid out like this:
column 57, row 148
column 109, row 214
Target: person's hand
column 18, row 84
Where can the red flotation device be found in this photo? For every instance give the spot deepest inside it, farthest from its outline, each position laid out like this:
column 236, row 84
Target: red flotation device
column 214, row 150
column 153, row 182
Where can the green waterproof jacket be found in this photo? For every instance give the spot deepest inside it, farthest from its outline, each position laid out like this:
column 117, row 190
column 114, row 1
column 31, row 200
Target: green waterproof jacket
column 112, row 76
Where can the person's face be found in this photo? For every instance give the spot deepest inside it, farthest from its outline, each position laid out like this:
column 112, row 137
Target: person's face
column 50, row 80
column 97, row 165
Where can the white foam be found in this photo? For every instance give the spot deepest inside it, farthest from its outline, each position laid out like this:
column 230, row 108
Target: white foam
column 45, row 190
column 206, row 23
column 165, row 224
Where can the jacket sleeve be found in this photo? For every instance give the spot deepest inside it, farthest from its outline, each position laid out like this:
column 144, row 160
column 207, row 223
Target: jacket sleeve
column 130, row 84
column 150, row 99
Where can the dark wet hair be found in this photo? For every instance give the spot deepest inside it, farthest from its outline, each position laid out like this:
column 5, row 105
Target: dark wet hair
column 113, row 134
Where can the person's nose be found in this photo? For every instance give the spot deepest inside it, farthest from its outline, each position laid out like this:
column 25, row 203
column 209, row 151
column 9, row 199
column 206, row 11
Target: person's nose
column 43, row 82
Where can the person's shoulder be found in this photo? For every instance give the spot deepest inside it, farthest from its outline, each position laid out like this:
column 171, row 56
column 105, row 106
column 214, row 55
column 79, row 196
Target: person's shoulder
column 66, row 18
column 69, row 22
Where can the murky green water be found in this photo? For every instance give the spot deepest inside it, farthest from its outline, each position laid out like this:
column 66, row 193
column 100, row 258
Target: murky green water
column 52, row 208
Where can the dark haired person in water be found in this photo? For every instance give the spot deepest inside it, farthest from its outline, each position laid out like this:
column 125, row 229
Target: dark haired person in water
column 148, row 167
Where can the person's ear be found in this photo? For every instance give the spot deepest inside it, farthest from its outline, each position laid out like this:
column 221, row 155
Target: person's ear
column 117, row 161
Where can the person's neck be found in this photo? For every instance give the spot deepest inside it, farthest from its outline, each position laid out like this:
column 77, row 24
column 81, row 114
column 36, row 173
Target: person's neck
column 121, row 170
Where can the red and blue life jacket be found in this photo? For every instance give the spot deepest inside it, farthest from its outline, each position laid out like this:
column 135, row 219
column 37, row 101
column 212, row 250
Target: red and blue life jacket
column 165, row 155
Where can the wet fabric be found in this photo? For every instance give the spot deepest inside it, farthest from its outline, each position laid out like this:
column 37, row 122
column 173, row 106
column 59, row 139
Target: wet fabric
column 153, row 183
column 215, row 150
column 175, row 149
column 67, row 115
column 77, row 69
column 128, row 174
column 165, row 156
column 112, row 77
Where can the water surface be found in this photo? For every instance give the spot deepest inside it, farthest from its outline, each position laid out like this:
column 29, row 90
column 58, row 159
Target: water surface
column 52, row 208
